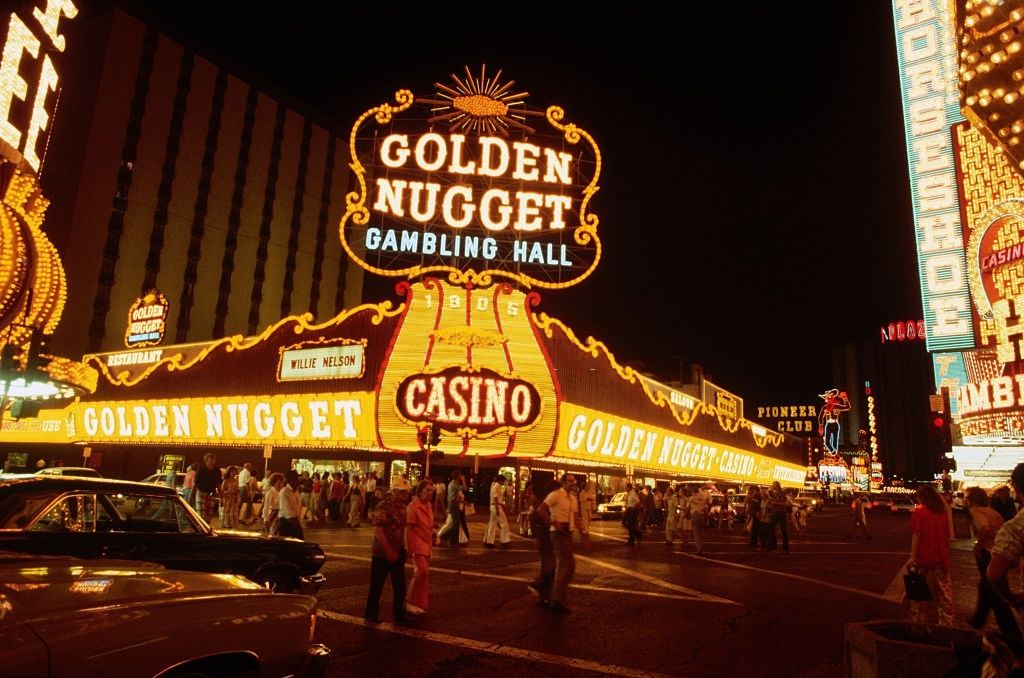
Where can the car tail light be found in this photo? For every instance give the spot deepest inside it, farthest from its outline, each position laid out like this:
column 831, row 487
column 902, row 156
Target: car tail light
column 312, row 626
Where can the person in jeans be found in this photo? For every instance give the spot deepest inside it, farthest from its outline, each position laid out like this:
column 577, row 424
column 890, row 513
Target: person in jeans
column 388, row 551
column 985, row 523
column 540, row 526
column 633, row 515
column 779, row 506
column 561, row 508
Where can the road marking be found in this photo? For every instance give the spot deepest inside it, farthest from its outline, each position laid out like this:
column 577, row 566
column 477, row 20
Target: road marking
column 685, row 594
column 811, row 580
column 495, row 648
column 657, row 582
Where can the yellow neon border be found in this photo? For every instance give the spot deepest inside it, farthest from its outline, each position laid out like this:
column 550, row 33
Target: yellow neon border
column 176, row 362
column 596, row 348
column 356, row 210
column 1010, row 207
column 323, row 342
column 472, row 432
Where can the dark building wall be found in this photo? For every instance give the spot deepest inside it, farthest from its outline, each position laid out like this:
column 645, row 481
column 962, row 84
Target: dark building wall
column 167, row 169
column 901, row 380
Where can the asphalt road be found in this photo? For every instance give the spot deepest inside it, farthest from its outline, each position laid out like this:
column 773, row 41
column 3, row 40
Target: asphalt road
column 647, row 610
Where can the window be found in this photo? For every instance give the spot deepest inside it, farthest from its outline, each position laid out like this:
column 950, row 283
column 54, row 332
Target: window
column 76, row 513
column 143, row 513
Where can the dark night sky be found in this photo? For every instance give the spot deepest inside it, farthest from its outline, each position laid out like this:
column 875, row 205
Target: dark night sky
column 755, row 205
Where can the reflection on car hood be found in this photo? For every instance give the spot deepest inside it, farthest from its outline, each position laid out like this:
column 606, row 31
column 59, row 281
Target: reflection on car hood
column 45, row 586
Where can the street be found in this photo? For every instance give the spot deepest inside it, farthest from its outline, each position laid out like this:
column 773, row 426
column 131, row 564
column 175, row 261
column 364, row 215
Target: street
column 641, row 611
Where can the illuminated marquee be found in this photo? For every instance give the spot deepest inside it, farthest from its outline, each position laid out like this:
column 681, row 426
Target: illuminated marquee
column 147, row 320
column 911, row 330
column 312, row 420
column 598, row 436
column 488, row 196
column 789, row 418
column 926, row 52
column 26, row 104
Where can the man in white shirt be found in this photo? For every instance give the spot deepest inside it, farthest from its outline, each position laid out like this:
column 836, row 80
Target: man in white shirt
column 498, row 524
column 562, row 508
column 244, row 495
column 289, row 508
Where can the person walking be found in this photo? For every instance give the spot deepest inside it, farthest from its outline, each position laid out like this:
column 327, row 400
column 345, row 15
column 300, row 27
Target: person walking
column 779, row 507
column 588, row 506
column 540, row 527
column 858, row 517
column 1008, row 546
column 230, row 491
column 356, row 500
column 388, row 556
column 314, row 498
column 419, row 539
column 632, row 515
column 1002, row 503
column 245, row 494
column 339, row 488
column 289, row 507
column 271, row 505
column 208, row 480
column 698, row 516
column 561, row 509
column 305, row 490
column 724, row 513
column 456, row 508
column 189, row 486
column 985, row 523
column 671, row 514
column 497, row 525
column 753, row 509
column 929, row 553
column 527, row 503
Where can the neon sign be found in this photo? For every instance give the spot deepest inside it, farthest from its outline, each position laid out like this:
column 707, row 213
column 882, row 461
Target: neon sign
column 147, row 320
column 926, row 52
column 911, row 330
column 490, row 196
column 25, row 105
column 836, row 402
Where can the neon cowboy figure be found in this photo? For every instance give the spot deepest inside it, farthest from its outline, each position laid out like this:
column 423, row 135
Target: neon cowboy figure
column 836, row 403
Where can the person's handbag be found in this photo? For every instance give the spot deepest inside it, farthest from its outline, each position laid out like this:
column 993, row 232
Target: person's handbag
column 916, row 585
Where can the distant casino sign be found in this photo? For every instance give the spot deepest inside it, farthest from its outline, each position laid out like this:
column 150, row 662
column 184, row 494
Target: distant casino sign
column 789, row 418
column 910, row 330
column 147, row 320
column 472, row 181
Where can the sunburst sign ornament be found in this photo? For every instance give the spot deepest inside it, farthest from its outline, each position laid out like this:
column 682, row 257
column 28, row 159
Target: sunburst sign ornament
column 457, row 183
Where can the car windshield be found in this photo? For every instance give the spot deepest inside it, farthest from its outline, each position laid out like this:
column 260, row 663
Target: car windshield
column 621, row 496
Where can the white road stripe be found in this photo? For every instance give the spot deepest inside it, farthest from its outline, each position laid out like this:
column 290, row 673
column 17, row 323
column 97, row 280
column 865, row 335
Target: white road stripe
column 657, row 582
column 494, row 648
column 810, row 580
column 685, row 594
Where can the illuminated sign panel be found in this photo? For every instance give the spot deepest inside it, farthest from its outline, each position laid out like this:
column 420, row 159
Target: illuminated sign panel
column 727, row 403
column 324, row 362
column 472, row 181
column 147, row 320
column 910, row 330
column 312, row 420
column 28, row 78
column 789, row 418
column 597, row 436
column 926, row 52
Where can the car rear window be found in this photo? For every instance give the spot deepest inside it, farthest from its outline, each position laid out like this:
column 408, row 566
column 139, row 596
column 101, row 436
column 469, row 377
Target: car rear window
column 18, row 508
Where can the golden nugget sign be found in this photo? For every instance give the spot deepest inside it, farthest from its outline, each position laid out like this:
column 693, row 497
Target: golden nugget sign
column 28, row 78
column 458, row 182
column 147, row 320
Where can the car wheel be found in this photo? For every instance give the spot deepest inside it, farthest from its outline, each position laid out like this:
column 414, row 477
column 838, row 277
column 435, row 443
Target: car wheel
column 279, row 581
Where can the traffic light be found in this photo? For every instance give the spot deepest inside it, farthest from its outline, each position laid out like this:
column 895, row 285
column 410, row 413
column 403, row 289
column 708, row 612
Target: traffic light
column 435, row 434
column 940, row 435
column 35, row 361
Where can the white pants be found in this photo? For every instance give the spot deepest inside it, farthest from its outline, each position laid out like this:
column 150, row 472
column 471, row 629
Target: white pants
column 497, row 524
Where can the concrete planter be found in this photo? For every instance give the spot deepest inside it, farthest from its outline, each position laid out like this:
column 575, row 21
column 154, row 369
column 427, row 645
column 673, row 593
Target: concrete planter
column 897, row 649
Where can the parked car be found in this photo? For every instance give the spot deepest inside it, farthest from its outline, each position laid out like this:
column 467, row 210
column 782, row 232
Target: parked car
column 878, row 502
column 615, row 508
column 81, row 471
column 903, row 504
column 100, row 518
column 62, row 616
column 738, row 503
column 161, row 479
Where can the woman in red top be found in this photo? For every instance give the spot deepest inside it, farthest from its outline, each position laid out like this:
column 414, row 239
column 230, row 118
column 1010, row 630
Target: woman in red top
column 929, row 552
column 419, row 540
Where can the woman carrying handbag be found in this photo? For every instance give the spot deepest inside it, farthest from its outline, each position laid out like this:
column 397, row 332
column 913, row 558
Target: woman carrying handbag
column 929, row 554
